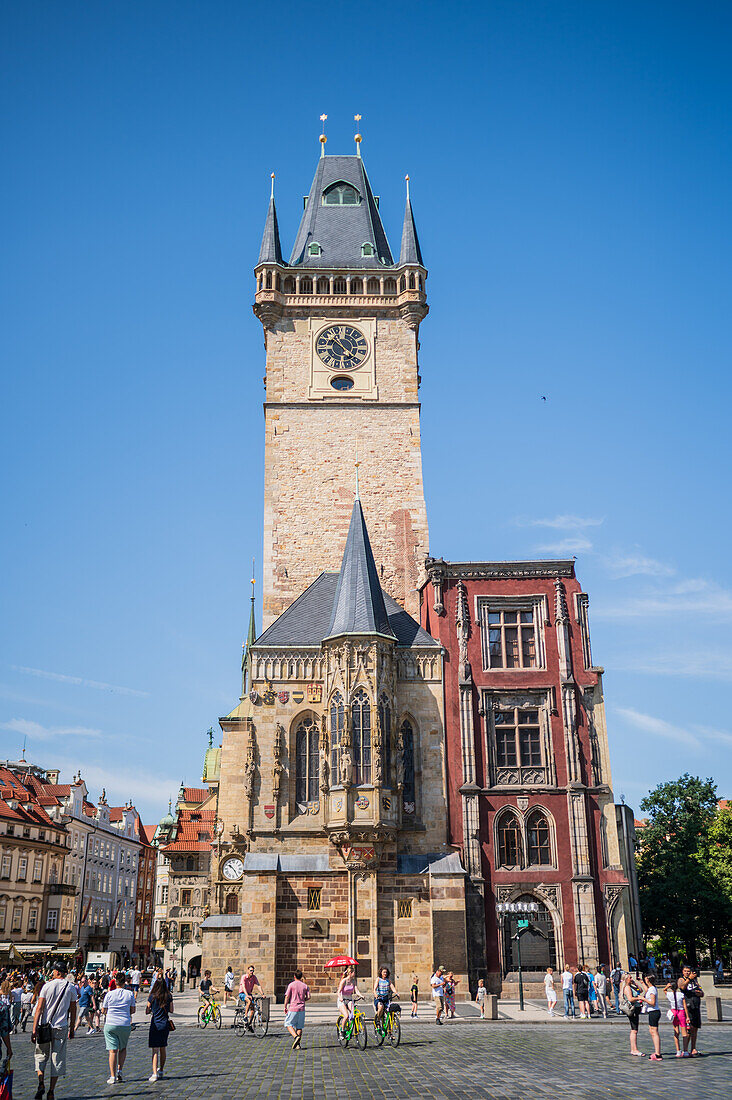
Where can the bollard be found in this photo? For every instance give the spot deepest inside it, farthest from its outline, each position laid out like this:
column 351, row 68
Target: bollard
column 714, row 1008
column 491, row 1008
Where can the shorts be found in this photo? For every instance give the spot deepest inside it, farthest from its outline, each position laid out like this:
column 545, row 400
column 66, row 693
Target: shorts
column 693, row 1011
column 116, row 1036
column 551, row 996
column 439, row 997
column 295, row 1019
column 53, row 1052
column 634, row 1020
column 135, row 988
column 678, row 1017
column 653, row 1017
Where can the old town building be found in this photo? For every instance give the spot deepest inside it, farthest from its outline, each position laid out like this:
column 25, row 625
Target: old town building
column 528, row 767
column 331, row 830
column 143, row 938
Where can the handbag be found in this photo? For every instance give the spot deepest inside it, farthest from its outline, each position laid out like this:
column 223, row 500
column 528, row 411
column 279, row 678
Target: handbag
column 44, row 1034
column 630, row 1008
column 171, row 1025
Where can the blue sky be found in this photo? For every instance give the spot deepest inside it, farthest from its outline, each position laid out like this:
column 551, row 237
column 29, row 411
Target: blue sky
column 570, row 168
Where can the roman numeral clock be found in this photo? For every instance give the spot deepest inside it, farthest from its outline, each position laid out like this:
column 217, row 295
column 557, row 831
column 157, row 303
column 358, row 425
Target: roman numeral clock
column 342, row 361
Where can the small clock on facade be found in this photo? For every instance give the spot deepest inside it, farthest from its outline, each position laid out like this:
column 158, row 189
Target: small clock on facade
column 233, row 868
column 342, row 347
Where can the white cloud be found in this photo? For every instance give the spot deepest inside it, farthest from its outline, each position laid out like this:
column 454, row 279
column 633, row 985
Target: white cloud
column 659, row 727
column 36, row 732
column 80, row 681
column 562, row 523
column 695, row 596
column 703, row 665
column 148, row 789
column 566, row 546
column 714, row 735
column 636, row 565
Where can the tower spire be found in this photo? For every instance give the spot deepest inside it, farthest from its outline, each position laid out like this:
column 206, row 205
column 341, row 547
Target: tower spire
column 246, row 656
column 410, row 251
column 271, row 251
column 358, row 606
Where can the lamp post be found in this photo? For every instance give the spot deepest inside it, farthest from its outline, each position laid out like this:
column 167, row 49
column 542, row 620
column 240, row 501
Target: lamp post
column 524, row 911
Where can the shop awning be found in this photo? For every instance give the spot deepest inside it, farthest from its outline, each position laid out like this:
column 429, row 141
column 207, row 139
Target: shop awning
column 11, row 951
column 64, row 950
column 36, row 948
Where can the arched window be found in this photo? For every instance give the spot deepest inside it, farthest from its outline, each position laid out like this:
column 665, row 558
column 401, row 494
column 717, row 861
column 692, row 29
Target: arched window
column 539, row 841
column 373, row 286
column 323, row 286
column 356, row 286
column 410, row 788
column 336, row 736
column 368, row 249
column 314, row 249
column 385, row 720
column 307, row 760
column 278, row 283
column 289, row 285
column 402, row 285
column 268, row 280
column 232, row 903
column 341, row 194
column 390, row 286
column 361, row 726
column 537, row 952
column 339, row 286
column 412, row 283
column 306, row 286
column 510, row 848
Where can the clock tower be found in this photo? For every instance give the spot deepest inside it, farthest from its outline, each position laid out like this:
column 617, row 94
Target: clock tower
column 341, row 322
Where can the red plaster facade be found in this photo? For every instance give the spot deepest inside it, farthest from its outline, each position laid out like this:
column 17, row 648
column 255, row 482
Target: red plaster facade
column 565, row 846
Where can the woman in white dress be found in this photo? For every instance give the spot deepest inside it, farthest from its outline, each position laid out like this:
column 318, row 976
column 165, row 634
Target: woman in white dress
column 551, row 993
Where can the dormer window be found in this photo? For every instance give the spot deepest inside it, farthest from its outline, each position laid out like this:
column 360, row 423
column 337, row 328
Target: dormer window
column 314, row 249
column 341, row 194
column 368, row 249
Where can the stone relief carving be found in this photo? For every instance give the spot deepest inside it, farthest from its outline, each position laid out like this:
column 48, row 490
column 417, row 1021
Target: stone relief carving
column 462, row 622
column 277, row 767
column 324, row 766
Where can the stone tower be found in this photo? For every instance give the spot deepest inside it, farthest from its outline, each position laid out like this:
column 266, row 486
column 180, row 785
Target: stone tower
column 341, row 323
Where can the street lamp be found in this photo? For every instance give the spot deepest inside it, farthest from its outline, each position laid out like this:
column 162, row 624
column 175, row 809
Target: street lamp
column 524, row 911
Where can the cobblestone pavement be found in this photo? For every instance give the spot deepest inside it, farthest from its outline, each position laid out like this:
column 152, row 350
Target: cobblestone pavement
column 500, row 1061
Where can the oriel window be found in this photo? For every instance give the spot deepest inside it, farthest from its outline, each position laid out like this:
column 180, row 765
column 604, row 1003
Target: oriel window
column 518, row 737
column 361, row 727
column 409, row 789
column 336, row 736
column 385, row 720
column 307, row 760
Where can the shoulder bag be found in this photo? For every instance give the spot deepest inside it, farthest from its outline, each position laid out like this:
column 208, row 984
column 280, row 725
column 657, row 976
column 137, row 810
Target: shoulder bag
column 44, row 1031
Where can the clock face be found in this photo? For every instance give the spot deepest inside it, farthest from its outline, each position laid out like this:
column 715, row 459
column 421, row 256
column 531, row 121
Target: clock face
column 342, row 347
column 233, row 868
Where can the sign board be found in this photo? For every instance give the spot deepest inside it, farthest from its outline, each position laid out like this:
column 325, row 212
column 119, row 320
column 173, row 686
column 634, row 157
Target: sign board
column 523, row 924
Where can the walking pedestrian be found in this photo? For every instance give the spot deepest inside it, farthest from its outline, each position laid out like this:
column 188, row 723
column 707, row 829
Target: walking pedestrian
column 551, row 993
column 26, row 1002
column 118, row 1007
column 135, row 980
column 480, row 997
column 296, row 994
column 6, row 1026
column 677, row 1016
column 616, row 980
column 228, row 985
column 582, row 991
column 159, row 1006
column 652, row 1013
column 16, row 992
column 689, row 985
column 600, row 980
column 568, row 992
column 450, row 983
column 414, row 994
column 631, row 1004
column 54, row 1024
column 592, row 991
column 437, row 981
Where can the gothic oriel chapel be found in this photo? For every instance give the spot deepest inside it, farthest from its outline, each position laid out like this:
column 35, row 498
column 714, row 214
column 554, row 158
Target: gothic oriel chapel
column 332, row 816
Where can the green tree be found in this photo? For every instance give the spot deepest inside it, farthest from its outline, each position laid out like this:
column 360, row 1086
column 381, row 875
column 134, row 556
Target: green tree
column 681, row 895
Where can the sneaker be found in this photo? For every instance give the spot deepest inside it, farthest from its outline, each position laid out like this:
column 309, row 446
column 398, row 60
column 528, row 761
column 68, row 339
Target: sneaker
column 90, row 1031
column 111, row 1080
column 153, row 1077
column 160, row 1073
column 119, row 1076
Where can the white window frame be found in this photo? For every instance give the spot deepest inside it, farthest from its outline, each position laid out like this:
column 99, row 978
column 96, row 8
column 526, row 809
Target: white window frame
column 536, row 603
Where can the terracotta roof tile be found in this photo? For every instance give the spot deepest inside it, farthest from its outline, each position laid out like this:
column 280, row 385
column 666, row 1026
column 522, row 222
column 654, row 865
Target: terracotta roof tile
column 195, row 794
column 188, row 846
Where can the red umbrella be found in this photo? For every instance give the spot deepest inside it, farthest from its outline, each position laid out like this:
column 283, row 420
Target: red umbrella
column 342, row 960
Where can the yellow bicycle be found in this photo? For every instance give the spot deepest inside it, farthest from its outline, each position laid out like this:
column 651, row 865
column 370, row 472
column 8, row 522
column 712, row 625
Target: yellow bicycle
column 353, row 1027
column 387, row 1026
column 209, row 1012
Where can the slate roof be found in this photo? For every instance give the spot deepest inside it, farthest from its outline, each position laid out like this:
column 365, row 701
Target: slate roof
column 341, row 230
column 271, row 252
column 306, row 622
column 358, row 605
column 410, row 252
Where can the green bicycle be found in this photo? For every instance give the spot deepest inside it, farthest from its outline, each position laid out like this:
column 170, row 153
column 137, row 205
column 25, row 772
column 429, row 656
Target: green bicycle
column 388, row 1027
column 209, row 1012
column 355, row 1026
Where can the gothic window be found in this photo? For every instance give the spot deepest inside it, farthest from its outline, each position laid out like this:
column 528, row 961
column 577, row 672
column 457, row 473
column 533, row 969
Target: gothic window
column 341, row 194
column 268, row 280
column 361, row 725
column 339, row 286
column 373, row 286
column 289, row 285
column 409, row 789
column 511, row 638
column 336, row 736
column 509, row 841
column 518, row 737
column 385, row 720
column 539, row 840
column 412, row 283
column 390, row 286
column 307, row 760
column 278, row 283
column 323, row 286
column 402, row 285
column 537, row 952
column 306, row 285
column 356, row 286
column 232, row 903
column 368, row 249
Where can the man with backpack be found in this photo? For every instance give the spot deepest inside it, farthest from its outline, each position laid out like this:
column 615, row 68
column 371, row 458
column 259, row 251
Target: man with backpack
column 616, row 980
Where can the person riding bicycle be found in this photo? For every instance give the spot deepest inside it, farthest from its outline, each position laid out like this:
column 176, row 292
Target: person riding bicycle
column 247, row 986
column 207, row 987
column 348, row 992
column 384, row 990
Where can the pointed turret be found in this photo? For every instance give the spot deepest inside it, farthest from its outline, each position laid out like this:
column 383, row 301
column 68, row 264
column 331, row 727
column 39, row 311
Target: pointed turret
column 410, row 251
column 246, row 656
column 358, row 607
column 271, row 251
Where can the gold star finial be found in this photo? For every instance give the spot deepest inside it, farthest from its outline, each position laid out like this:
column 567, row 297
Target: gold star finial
column 357, row 138
column 323, row 138
column 272, row 177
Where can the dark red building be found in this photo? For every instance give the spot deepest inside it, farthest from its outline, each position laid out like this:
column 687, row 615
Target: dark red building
column 142, row 950
column 530, row 795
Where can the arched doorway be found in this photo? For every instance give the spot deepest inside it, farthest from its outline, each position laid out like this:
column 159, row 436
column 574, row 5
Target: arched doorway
column 537, row 951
